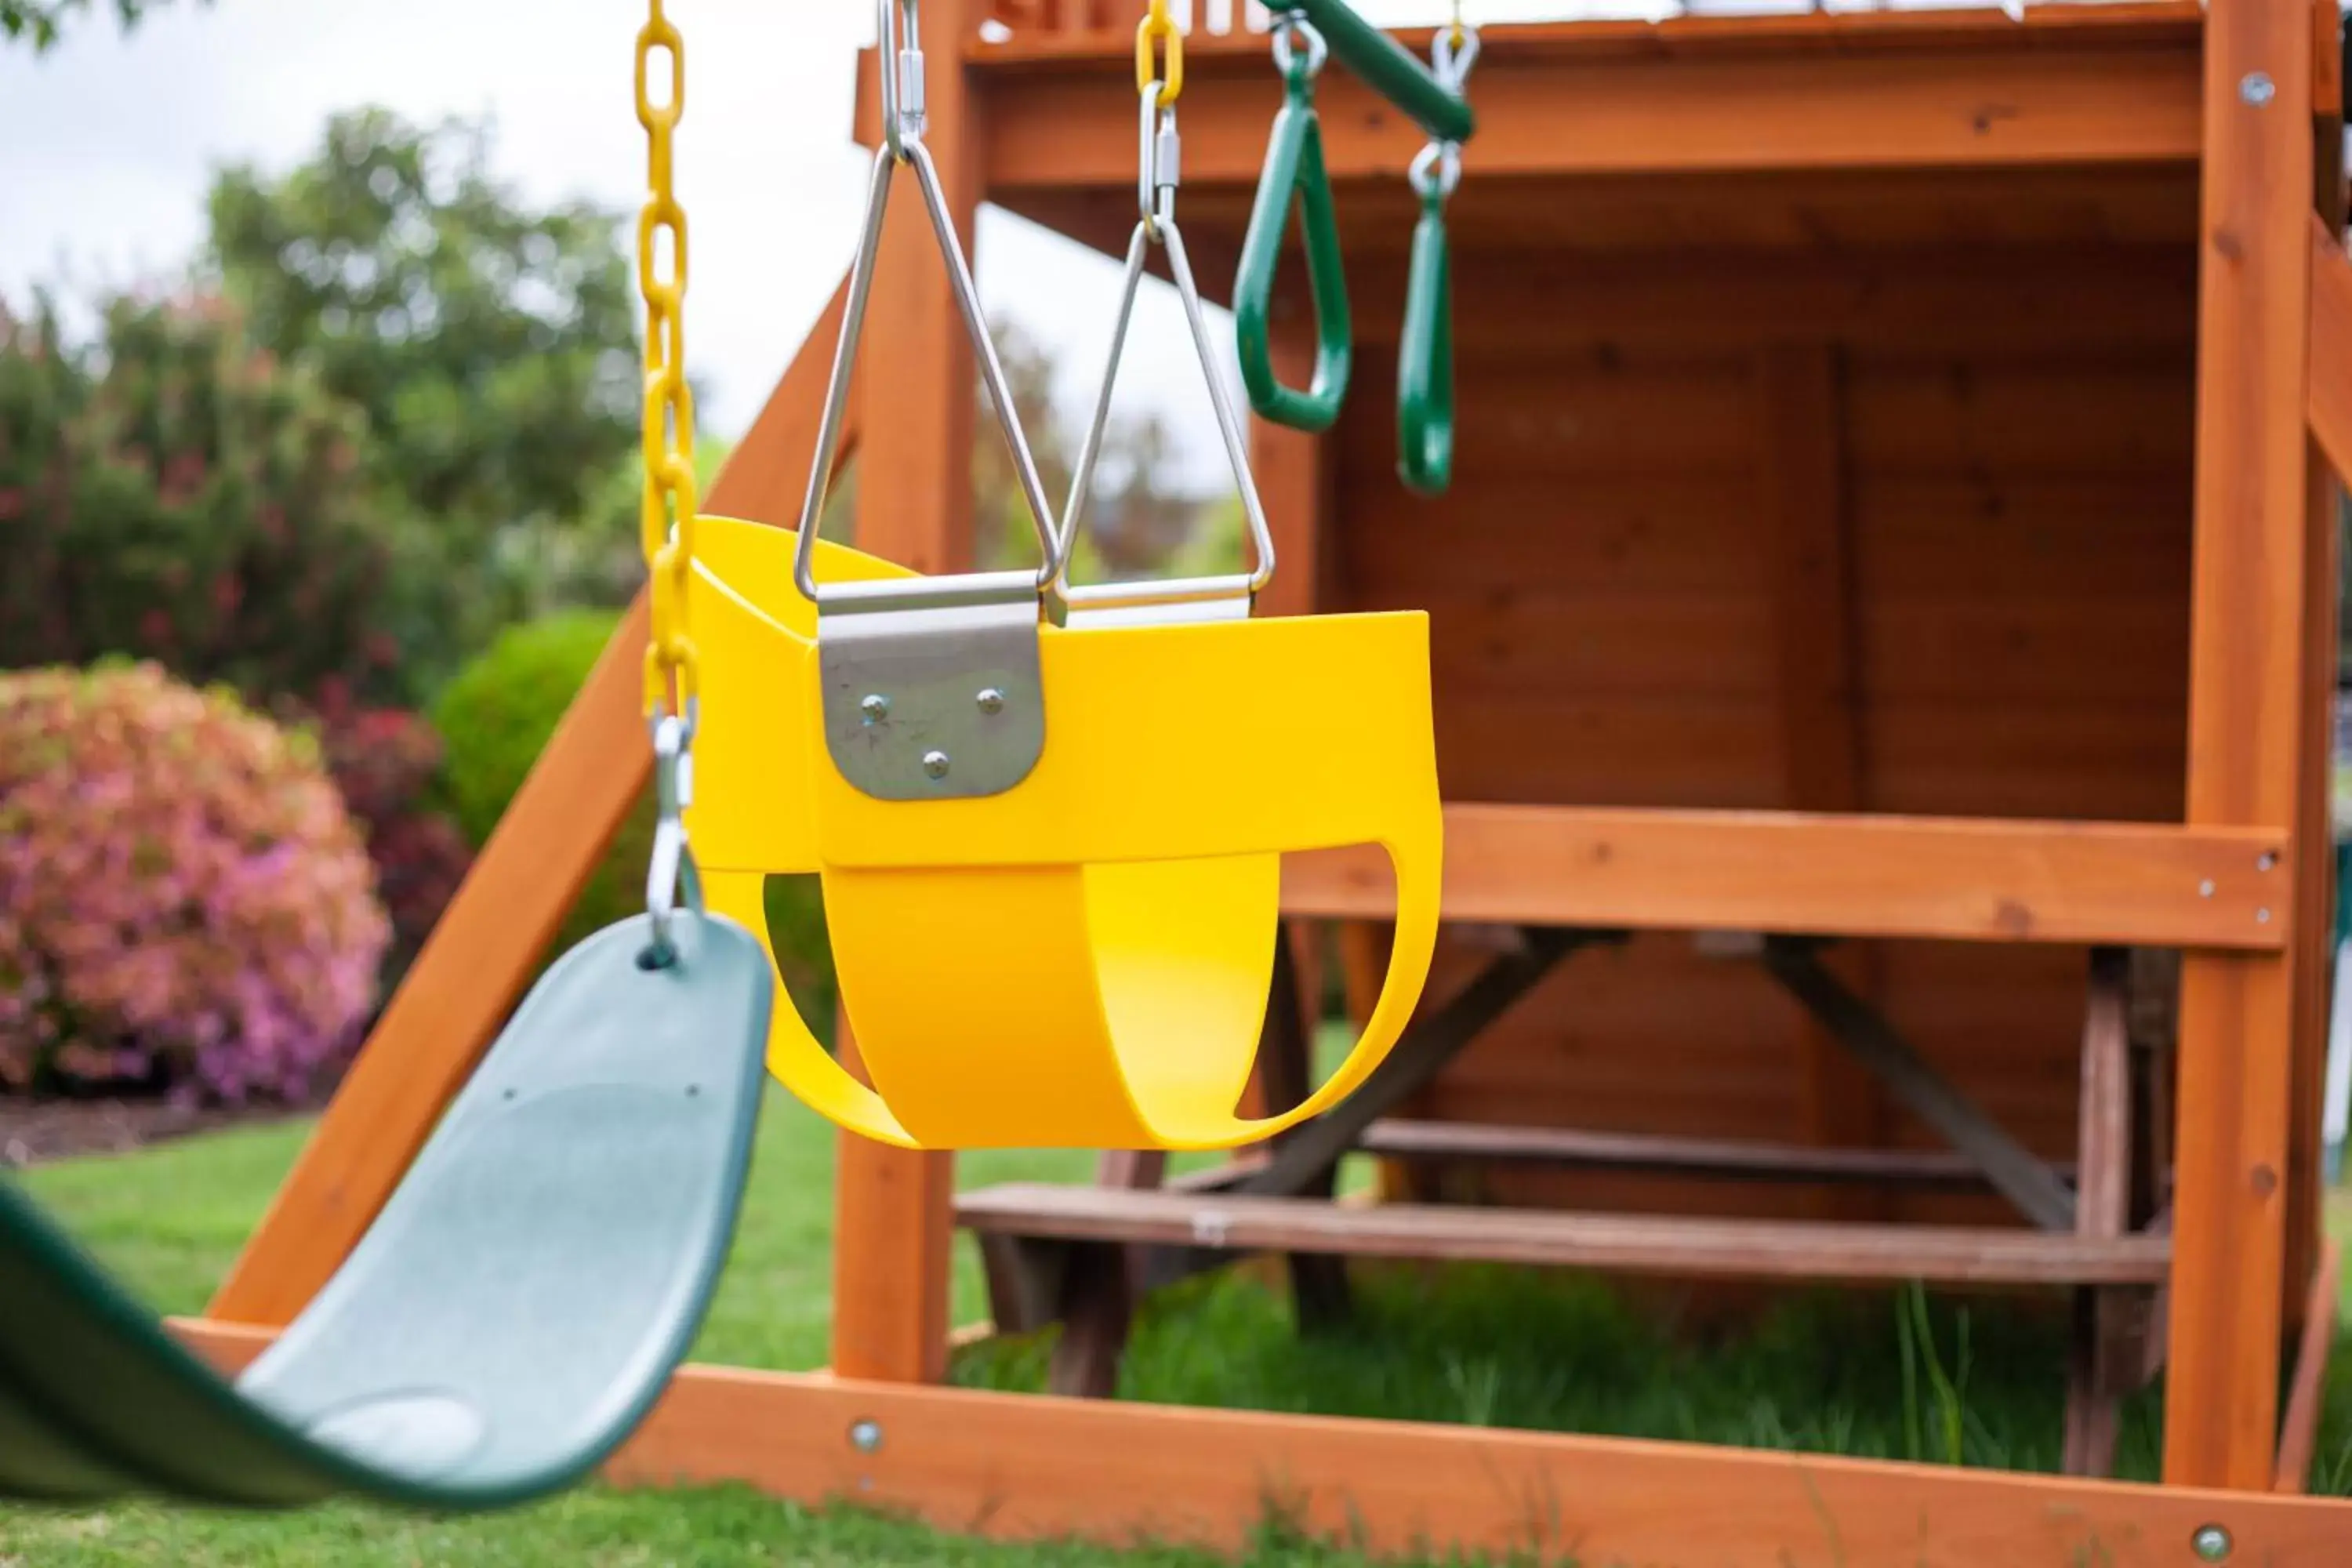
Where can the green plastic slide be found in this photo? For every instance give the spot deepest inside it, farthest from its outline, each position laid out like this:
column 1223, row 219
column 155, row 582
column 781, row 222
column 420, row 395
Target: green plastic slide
column 509, row 1319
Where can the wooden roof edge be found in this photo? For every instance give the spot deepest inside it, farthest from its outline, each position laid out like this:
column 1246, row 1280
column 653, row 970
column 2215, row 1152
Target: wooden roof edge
column 2062, row 23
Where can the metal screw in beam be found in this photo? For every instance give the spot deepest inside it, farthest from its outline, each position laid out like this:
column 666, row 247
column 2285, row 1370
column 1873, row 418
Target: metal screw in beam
column 936, row 763
column 991, row 700
column 2262, row 917
column 2211, row 1543
column 2257, row 88
column 2205, row 888
column 876, row 708
column 866, row 1436
column 2267, row 860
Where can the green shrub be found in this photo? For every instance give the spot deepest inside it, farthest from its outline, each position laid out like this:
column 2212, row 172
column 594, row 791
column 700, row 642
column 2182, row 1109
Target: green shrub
column 171, row 494
column 495, row 718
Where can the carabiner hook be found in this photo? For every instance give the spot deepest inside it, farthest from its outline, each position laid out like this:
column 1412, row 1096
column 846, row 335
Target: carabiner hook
column 899, row 40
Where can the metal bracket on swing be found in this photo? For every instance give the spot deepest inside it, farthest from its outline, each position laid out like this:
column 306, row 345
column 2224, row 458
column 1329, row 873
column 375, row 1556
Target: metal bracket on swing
column 930, row 686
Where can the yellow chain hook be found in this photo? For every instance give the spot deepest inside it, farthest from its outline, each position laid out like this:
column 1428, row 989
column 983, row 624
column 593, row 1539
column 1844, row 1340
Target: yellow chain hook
column 672, row 673
column 1458, row 33
column 1158, row 27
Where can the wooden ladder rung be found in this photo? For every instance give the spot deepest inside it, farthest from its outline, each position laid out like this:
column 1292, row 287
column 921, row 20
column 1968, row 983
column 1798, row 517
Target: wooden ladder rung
column 1636, row 1244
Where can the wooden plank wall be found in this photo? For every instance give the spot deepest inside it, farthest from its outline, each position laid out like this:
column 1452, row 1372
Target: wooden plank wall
column 1601, row 584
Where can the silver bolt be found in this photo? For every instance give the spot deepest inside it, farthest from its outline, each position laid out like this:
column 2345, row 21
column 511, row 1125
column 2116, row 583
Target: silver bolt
column 876, row 708
column 2211, row 1543
column 2268, row 859
column 2257, row 88
column 2262, row 917
column 2205, row 888
column 936, row 763
column 866, row 1436
column 991, row 700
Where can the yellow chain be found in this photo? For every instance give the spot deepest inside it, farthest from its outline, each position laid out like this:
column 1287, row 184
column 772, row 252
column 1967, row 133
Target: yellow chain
column 669, row 494
column 1158, row 27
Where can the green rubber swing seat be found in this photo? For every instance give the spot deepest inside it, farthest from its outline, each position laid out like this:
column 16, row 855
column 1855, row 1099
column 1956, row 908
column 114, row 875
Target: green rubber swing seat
column 510, row 1317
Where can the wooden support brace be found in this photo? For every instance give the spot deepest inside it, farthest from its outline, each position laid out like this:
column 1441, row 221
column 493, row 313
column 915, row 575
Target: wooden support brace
column 2307, row 1395
column 2014, row 1171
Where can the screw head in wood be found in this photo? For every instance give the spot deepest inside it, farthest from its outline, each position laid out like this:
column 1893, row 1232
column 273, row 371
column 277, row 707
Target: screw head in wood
column 866, row 1436
column 2211, row 1543
column 2205, row 888
column 2267, row 860
column 2257, row 88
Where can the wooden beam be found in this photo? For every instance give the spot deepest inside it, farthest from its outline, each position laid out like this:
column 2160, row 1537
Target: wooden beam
column 2247, row 739
column 893, row 1228
column 2307, row 1395
column 2012, row 1170
column 1428, row 1044
column 2082, row 99
column 2306, row 1220
column 1801, row 452
column 1946, row 878
column 1027, row 1468
column 487, row 944
column 1055, row 1218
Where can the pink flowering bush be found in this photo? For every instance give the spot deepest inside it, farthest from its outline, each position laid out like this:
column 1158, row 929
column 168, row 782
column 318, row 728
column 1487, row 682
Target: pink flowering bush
column 185, row 902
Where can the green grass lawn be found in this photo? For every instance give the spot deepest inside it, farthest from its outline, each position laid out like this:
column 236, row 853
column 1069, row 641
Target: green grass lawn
column 1899, row 1378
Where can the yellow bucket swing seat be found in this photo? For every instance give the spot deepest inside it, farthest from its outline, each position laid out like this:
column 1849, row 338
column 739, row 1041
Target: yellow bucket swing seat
column 1048, row 818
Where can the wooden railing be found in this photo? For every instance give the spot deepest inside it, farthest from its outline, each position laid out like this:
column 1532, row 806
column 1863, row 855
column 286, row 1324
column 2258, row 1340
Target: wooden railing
column 1087, row 17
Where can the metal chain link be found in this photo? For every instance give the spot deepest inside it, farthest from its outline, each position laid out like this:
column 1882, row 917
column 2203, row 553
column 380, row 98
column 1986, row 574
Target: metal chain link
column 672, row 672
column 1158, row 27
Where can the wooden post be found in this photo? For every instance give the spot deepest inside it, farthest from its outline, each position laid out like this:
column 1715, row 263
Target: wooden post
column 2247, row 740
column 2315, row 833
column 1802, row 462
column 893, row 1219
column 2101, row 1210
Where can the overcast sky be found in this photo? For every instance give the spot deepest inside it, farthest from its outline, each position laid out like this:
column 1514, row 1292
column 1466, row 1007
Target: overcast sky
column 110, row 139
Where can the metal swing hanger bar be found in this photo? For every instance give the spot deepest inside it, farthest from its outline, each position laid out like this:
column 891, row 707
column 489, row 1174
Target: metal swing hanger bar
column 1160, row 161
column 898, row 40
column 1387, row 68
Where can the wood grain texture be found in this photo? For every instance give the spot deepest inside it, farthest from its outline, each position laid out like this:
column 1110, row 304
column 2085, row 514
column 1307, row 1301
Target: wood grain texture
column 2330, row 406
column 1861, row 876
column 1818, row 676
column 1548, row 107
column 1027, row 1468
column 2247, row 740
column 1678, row 1248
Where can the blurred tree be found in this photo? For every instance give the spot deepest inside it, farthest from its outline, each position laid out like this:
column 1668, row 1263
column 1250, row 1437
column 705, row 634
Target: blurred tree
column 489, row 345
column 170, row 493
column 39, row 20
column 1137, row 524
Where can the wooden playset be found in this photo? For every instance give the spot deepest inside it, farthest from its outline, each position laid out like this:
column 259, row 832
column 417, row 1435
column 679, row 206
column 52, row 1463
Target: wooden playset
column 1843, row 505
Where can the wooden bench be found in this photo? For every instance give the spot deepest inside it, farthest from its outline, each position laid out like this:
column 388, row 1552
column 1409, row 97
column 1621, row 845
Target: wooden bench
column 1036, row 1236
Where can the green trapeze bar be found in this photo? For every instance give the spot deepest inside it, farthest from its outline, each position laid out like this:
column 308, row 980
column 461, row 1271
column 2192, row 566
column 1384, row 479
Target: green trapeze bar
column 1386, row 67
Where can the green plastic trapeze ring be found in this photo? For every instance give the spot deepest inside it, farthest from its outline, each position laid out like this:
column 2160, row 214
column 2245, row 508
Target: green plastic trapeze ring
column 1425, row 358
column 1294, row 165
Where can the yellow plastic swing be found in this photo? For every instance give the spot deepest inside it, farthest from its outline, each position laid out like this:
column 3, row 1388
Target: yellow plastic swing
column 1048, row 818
